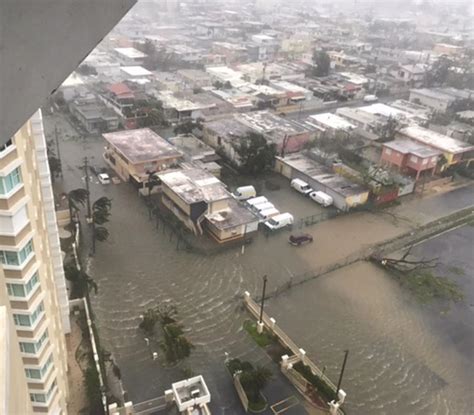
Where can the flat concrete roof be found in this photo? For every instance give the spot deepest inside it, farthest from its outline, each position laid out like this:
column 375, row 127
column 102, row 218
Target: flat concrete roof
column 142, row 145
column 234, row 215
column 386, row 111
column 192, row 146
column 135, row 70
column 406, row 146
column 131, row 53
column 195, row 185
column 431, row 93
column 434, row 139
column 323, row 175
column 266, row 122
column 333, row 121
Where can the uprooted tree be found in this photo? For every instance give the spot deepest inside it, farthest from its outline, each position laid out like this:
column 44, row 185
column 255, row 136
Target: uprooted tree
column 417, row 275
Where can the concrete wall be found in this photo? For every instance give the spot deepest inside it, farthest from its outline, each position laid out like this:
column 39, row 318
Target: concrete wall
column 42, row 42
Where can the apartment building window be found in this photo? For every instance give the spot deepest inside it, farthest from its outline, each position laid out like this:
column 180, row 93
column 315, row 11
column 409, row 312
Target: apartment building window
column 10, row 181
column 38, row 397
column 39, row 373
column 33, row 373
column 32, row 348
column 41, row 397
column 27, row 320
column 22, row 290
column 16, row 258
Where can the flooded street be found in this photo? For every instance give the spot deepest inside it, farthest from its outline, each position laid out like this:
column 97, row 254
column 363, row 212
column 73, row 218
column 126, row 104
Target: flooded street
column 404, row 358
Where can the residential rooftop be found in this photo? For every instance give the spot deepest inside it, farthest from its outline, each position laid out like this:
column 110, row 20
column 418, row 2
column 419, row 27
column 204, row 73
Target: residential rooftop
column 195, row 185
column 432, row 93
column 234, row 215
column 130, row 53
column 229, row 128
column 141, row 145
column 323, row 175
column 266, row 122
column 437, row 140
column 330, row 120
column 135, row 70
column 194, row 148
column 406, row 146
column 386, row 111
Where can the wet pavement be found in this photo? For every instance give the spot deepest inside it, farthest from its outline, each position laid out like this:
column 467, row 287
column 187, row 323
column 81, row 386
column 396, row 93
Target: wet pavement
column 395, row 363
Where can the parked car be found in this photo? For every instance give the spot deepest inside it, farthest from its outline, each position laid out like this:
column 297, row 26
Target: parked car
column 370, row 98
column 321, row 198
column 244, row 192
column 301, row 186
column 297, row 240
column 279, row 221
column 104, row 178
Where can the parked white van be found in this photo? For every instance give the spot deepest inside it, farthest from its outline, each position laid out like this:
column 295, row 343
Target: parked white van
column 321, row 198
column 301, row 186
column 244, row 192
column 256, row 201
column 263, row 206
column 268, row 213
column 279, row 221
column 370, row 98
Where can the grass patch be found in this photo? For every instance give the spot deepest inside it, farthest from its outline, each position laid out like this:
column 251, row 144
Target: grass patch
column 258, row 406
column 264, row 339
column 457, row 270
column 426, row 286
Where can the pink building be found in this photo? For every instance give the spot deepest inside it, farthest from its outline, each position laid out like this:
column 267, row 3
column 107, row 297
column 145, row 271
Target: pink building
column 134, row 154
column 410, row 157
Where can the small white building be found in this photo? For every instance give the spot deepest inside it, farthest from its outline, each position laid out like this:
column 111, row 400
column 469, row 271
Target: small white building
column 329, row 124
column 436, row 100
column 135, row 72
column 130, row 56
column 191, row 394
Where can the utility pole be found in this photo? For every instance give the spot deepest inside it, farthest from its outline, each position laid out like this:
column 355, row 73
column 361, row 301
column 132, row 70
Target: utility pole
column 263, row 299
column 58, row 151
column 88, row 200
column 346, row 353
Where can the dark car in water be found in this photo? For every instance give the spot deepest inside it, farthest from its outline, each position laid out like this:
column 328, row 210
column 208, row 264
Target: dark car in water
column 297, row 240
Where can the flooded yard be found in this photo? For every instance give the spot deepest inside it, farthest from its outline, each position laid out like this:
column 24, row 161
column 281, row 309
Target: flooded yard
column 404, row 358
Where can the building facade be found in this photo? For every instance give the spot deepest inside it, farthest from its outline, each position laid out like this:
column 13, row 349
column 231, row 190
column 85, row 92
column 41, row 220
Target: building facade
column 32, row 270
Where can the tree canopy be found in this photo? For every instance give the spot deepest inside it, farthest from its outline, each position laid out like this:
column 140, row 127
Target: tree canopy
column 322, row 63
column 255, row 153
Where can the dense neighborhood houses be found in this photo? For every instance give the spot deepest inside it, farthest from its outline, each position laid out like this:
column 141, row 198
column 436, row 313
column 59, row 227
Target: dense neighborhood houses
column 360, row 106
column 239, row 206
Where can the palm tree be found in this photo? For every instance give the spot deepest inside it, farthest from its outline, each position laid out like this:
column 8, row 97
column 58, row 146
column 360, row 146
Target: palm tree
column 76, row 198
column 82, row 283
column 100, row 215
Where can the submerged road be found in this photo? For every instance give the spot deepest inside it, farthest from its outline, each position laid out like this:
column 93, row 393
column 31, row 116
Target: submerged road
column 358, row 308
